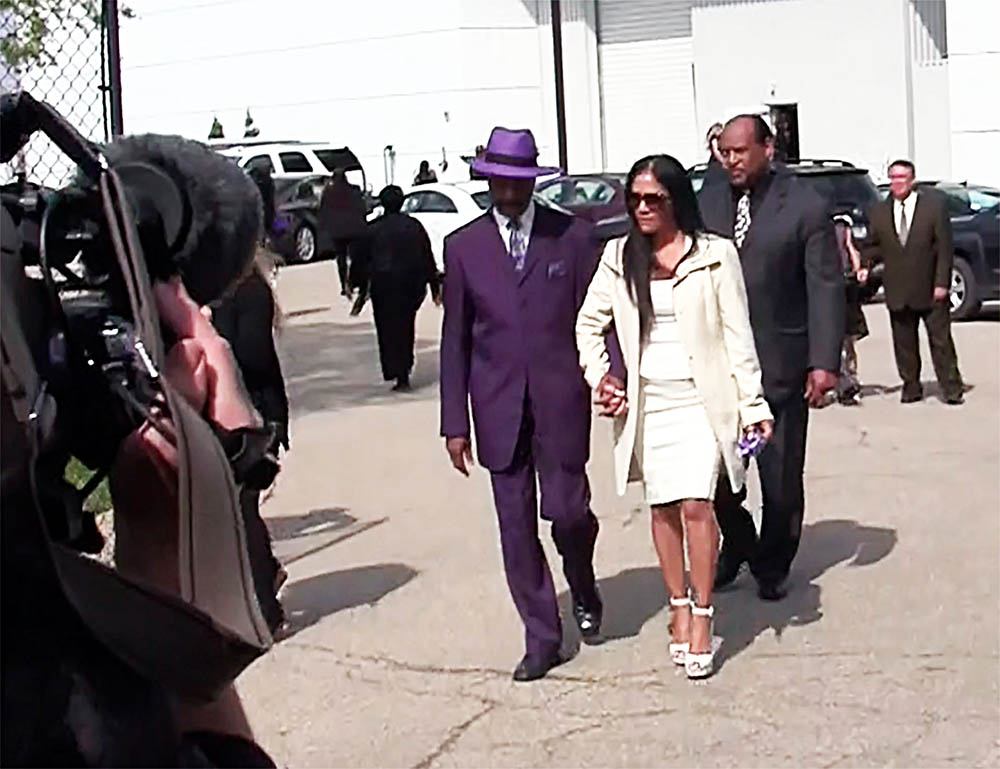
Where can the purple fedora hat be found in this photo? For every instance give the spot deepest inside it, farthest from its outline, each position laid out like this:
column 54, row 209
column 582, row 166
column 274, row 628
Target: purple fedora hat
column 512, row 154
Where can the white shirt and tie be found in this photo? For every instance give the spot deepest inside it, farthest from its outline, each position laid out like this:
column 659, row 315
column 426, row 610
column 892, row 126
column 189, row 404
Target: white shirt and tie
column 902, row 213
column 516, row 238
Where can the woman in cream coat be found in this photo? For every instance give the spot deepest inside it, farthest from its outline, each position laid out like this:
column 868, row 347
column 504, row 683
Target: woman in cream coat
column 676, row 297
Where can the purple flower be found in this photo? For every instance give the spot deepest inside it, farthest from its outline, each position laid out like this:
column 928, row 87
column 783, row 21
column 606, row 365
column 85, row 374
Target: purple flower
column 751, row 444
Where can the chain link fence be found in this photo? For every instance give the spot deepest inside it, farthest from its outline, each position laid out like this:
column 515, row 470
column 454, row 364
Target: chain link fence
column 56, row 51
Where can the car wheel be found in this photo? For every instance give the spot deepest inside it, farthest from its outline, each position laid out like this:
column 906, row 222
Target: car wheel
column 963, row 298
column 305, row 244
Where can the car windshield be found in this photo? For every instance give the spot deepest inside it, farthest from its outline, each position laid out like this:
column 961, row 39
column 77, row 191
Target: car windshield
column 963, row 201
column 482, row 199
column 983, row 199
column 853, row 190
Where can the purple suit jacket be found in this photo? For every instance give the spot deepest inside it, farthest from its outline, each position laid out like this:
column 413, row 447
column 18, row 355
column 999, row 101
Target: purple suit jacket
column 507, row 334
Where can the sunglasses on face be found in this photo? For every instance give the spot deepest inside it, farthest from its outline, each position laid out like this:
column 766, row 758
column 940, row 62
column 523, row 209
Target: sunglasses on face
column 651, row 199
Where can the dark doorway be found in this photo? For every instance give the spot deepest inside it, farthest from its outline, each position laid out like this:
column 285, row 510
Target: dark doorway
column 785, row 119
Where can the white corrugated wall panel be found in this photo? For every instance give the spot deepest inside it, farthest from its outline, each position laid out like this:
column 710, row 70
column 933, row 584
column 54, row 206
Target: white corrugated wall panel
column 647, row 95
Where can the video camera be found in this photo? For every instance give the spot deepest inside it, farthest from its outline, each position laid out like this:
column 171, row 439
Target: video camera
column 82, row 356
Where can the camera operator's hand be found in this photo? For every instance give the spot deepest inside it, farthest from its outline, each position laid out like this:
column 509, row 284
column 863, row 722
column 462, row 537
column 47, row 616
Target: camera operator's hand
column 201, row 366
column 202, row 369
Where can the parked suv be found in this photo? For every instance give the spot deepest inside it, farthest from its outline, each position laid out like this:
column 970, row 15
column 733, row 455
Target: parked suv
column 975, row 226
column 299, row 160
column 845, row 188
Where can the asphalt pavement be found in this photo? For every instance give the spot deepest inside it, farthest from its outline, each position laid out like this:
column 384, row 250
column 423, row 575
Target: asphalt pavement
column 403, row 636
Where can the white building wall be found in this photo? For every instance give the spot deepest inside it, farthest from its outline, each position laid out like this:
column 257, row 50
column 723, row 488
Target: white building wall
column 430, row 78
column 646, row 77
column 974, row 75
column 581, row 76
column 842, row 62
column 931, row 120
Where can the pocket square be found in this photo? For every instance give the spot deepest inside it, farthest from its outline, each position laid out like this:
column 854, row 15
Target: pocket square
column 557, row 269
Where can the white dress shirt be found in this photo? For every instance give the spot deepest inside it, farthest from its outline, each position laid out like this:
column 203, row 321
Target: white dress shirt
column 527, row 221
column 909, row 204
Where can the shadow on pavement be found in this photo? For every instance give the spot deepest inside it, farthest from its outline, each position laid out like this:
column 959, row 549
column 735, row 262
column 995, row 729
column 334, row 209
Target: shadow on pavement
column 308, row 601
column 321, row 521
column 931, row 389
column 631, row 598
column 320, row 376
column 634, row 596
column 741, row 616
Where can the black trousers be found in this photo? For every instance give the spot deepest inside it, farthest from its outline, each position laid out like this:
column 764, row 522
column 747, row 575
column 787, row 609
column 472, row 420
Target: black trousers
column 395, row 301
column 263, row 565
column 341, row 251
column 780, row 465
column 906, row 345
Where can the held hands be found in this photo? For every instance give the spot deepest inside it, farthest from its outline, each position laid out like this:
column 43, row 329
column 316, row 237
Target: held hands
column 818, row 384
column 862, row 275
column 610, row 397
column 940, row 294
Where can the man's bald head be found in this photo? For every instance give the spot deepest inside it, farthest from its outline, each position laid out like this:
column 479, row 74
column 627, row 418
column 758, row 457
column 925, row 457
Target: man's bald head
column 747, row 148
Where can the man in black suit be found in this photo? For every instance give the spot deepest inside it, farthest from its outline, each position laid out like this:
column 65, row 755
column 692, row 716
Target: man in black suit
column 795, row 288
column 911, row 235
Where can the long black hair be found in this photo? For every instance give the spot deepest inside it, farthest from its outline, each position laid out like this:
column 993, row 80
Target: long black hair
column 638, row 253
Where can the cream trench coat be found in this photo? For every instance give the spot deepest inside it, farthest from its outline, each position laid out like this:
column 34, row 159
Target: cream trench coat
column 710, row 302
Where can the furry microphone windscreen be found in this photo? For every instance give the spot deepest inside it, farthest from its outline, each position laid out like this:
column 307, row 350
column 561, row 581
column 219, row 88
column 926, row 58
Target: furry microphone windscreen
column 221, row 218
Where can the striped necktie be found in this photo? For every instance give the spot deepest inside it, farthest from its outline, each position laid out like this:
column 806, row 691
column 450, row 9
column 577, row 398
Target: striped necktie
column 742, row 225
column 517, row 248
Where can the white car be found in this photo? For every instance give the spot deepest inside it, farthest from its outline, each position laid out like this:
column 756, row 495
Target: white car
column 298, row 160
column 443, row 208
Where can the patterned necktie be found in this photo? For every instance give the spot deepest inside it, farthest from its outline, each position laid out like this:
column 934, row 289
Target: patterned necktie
column 517, row 247
column 742, row 225
column 904, row 226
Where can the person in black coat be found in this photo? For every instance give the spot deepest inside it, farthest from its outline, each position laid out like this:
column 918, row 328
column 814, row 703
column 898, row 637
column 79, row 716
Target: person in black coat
column 394, row 265
column 795, row 289
column 339, row 223
column 246, row 320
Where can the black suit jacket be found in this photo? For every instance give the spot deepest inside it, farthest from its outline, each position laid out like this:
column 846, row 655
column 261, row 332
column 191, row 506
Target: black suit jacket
column 793, row 276
column 912, row 272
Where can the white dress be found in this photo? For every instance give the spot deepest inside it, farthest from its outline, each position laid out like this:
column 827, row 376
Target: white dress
column 680, row 454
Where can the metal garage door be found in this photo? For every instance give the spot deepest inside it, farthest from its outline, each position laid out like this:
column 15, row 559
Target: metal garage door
column 647, row 87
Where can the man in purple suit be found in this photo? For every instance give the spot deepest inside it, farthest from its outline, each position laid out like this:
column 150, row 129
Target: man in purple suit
column 514, row 281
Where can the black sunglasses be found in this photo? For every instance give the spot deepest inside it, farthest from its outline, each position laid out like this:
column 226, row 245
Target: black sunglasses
column 651, row 199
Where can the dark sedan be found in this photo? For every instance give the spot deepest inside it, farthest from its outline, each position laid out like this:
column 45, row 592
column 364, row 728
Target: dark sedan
column 598, row 198
column 296, row 204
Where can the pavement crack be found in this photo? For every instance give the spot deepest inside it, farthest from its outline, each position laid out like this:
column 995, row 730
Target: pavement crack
column 454, row 734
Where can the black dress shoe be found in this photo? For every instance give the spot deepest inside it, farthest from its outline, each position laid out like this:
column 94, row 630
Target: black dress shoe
column 533, row 668
column 588, row 619
column 955, row 400
column 911, row 396
column 772, row 590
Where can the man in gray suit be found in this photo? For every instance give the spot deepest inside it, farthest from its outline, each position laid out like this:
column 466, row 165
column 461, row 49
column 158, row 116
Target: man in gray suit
column 795, row 288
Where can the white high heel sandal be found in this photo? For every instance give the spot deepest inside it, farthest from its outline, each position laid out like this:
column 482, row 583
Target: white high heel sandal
column 701, row 665
column 678, row 651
